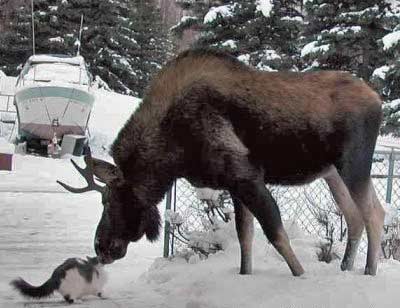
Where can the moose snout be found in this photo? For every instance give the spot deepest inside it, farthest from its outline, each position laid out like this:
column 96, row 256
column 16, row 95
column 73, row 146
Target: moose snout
column 116, row 249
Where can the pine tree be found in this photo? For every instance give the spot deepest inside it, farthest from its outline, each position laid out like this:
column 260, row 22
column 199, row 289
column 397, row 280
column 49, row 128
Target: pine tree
column 16, row 39
column 386, row 78
column 122, row 41
column 262, row 33
column 344, row 35
column 155, row 45
column 107, row 40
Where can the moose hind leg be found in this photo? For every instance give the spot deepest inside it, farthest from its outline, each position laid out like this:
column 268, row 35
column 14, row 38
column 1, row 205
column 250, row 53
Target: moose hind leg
column 244, row 220
column 361, row 189
column 260, row 202
column 352, row 215
column 373, row 215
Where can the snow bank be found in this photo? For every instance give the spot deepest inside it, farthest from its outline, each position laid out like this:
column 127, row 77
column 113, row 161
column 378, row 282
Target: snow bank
column 215, row 282
column 110, row 112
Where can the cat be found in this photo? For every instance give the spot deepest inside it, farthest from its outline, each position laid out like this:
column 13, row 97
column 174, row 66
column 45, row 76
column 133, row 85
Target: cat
column 73, row 279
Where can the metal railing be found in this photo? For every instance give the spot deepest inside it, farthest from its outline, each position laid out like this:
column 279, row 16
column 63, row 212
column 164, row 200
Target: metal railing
column 303, row 204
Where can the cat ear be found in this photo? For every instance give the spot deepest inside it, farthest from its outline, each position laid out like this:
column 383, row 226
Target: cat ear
column 152, row 223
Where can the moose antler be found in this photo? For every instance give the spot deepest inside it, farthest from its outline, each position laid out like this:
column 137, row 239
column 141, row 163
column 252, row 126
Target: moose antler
column 88, row 174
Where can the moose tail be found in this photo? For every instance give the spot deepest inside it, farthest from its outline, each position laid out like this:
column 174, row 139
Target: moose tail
column 28, row 290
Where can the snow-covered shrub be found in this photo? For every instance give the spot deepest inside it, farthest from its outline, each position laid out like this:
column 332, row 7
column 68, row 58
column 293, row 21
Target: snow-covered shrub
column 217, row 227
column 390, row 242
column 327, row 248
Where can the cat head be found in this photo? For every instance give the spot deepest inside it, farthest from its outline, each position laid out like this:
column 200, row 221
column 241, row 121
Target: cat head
column 93, row 260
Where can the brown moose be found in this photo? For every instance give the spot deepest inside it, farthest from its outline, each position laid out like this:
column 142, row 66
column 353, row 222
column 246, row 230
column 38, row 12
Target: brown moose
column 218, row 123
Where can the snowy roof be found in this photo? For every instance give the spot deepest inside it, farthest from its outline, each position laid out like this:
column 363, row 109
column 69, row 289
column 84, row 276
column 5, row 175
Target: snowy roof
column 49, row 58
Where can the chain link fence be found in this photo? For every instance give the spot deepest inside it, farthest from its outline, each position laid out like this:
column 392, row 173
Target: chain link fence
column 311, row 206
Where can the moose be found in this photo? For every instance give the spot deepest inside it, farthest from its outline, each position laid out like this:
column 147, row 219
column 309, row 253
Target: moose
column 219, row 123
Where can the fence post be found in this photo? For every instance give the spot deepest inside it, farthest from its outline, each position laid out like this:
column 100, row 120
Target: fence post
column 390, row 178
column 167, row 224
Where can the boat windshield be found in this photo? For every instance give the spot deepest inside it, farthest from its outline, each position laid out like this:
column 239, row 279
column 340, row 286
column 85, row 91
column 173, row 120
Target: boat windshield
column 56, row 72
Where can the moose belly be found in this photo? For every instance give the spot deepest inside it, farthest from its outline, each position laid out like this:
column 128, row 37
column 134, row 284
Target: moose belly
column 296, row 161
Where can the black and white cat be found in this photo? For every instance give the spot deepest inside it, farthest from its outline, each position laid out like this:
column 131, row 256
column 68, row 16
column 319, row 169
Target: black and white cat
column 73, row 279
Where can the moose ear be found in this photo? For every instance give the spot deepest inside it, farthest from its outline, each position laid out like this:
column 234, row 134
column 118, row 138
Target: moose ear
column 105, row 171
column 152, row 223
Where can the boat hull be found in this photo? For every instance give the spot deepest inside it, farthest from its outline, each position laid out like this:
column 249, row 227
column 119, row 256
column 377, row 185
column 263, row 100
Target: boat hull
column 47, row 110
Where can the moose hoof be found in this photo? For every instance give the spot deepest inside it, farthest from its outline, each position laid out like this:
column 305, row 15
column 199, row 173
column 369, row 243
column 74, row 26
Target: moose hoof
column 346, row 266
column 370, row 270
column 245, row 272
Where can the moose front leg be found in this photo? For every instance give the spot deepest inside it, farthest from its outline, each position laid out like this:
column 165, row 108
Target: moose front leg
column 244, row 220
column 260, row 202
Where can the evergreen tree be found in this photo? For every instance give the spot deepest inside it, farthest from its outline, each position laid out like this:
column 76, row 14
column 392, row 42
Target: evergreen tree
column 150, row 35
column 107, row 40
column 122, row 40
column 344, row 35
column 262, row 33
column 16, row 38
column 387, row 77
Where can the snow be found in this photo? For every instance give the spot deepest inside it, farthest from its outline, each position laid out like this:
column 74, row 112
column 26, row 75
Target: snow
column 56, row 39
column 230, row 43
column 313, row 47
column 7, row 84
column 381, row 72
column 205, row 193
column 214, row 12
column 390, row 40
column 343, row 30
column 78, row 60
column 215, row 282
column 173, row 217
column 290, row 18
column 368, row 10
column 6, row 147
column 394, row 104
column 110, row 112
column 244, row 58
column 271, row 54
column 185, row 19
column 265, row 7
column 52, row 73
column 388, row 141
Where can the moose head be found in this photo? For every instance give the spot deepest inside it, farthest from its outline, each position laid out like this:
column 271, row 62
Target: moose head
column 125, row 218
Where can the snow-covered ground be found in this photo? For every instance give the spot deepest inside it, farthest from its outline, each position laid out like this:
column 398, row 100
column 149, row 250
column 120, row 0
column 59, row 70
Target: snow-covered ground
column 41, row 225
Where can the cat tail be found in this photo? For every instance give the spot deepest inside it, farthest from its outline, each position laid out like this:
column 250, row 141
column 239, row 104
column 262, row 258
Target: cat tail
column 26, row 289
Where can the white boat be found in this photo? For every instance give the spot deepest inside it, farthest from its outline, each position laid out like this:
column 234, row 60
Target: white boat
column 53, row 98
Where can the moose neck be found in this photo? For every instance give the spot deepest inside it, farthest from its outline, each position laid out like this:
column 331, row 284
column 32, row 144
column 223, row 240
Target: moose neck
column 146, row 158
